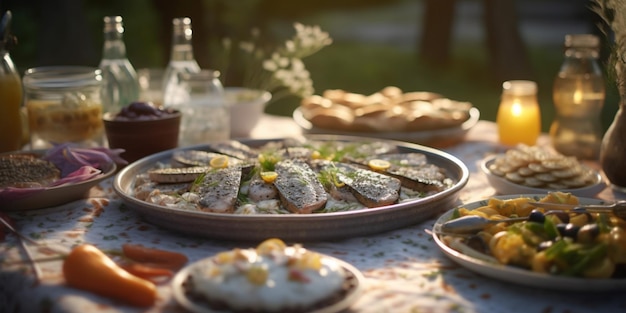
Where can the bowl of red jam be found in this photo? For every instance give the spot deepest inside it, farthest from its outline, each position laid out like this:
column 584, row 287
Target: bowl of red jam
column 142, row 129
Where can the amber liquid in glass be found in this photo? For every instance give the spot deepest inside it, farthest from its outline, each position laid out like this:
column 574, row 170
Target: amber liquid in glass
column 10, row 119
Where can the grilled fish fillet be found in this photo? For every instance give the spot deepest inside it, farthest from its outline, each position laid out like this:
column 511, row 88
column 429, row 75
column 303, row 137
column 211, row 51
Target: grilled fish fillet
column 298, row 187
column 413, row 171
column 176, row 175
column 370, row 188
column 218, row 189
column 259, row 190
column 26, row 171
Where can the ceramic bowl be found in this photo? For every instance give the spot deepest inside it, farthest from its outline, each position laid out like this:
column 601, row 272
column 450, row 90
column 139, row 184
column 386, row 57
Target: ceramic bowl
column 140, row 138
column 246, row 108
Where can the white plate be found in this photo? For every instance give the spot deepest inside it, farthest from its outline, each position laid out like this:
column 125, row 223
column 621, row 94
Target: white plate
column 354, row 292
column 54, row 196
column 506, row 187
column 434, row 138
column 518, row 275
column 296, row 227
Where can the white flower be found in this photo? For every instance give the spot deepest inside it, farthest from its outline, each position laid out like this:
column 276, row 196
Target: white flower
column 279, row 70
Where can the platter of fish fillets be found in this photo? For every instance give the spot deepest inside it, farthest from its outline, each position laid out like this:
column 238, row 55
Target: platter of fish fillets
column 306, row 189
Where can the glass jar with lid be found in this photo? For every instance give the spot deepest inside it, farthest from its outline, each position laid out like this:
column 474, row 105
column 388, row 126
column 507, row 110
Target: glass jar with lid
column 205, row 112
column 64, row 105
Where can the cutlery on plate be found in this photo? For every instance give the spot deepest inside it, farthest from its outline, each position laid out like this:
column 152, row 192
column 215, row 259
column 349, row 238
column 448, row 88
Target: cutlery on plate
column 618, row 208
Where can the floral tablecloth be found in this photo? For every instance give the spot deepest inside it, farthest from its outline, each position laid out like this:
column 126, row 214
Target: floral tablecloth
column 404, row 269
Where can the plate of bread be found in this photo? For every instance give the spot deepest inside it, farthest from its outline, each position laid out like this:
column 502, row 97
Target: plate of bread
column 421, row 117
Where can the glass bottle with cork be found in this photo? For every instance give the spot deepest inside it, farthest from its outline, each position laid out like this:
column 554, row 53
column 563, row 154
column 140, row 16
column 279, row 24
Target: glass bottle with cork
column 578, row 95
column 181, row 60
column 10, row 91
column 121, row 85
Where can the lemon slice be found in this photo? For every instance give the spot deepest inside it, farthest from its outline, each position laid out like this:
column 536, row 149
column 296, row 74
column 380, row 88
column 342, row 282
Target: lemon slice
column 269, row 245
column 219, row 162
column 378, row 164
column 268, row 176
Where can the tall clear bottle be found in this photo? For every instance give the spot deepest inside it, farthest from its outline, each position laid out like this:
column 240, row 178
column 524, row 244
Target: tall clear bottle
column 10, row 92
column 578, row 95
column 181, row 59
column 121, row 85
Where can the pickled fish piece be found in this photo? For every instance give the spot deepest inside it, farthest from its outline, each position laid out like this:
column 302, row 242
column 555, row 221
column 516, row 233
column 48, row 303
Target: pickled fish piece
column 218, row 189
column 234, row 149
column 370, row 188
column 199, row 158
column 413, row 171
column 298, row 187
column 176, row 174
column 259, row 190
column 425, row 178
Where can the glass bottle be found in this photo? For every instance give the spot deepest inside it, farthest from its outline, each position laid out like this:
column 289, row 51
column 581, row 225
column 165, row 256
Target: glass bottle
column 10, row 92
column 205, row 111
column 121, row 85
column 578, row 95
column 519, row 116
column 181, row 57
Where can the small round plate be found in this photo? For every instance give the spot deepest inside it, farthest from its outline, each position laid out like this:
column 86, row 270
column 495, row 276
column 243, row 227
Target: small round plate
column 351, row 295
column 437, row 138
column 506, row 187
column 57, row 195
column 518, row 275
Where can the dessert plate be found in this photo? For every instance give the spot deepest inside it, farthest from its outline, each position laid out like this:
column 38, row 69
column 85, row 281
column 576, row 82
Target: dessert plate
column 354, row 283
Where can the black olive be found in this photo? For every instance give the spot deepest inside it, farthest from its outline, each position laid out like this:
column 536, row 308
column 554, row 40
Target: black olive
column 536, row 216
column 567, row 230
column 588, row 233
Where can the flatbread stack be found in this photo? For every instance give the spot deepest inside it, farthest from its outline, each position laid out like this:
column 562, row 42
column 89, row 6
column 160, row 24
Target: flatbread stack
column 389, row 110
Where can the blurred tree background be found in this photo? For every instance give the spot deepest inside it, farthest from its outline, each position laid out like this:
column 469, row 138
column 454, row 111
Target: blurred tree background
column 377, row 43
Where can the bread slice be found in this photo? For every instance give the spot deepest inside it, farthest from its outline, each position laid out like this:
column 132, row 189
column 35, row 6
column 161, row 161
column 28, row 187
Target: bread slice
column 26, row 171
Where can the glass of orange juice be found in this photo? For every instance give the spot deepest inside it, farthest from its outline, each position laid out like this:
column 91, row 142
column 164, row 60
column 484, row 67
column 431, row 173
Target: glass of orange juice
column 519, row 117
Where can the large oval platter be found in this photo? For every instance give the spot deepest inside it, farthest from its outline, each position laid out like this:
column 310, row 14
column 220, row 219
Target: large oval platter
column 296, row 227
column 518, row 275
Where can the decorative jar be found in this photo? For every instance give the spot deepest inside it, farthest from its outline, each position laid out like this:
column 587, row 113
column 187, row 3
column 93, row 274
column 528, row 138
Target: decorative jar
column 64, row 105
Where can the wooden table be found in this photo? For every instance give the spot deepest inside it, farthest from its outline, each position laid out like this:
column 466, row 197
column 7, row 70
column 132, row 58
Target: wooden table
column 405, row 271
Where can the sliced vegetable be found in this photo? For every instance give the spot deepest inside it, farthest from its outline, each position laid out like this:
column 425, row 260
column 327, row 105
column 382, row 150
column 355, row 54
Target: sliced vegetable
column 268, row 176
column 88, row 268
column 151, row 273
column 154, row 257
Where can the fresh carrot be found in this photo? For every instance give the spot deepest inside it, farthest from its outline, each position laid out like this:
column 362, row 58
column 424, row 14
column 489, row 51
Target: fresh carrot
column 151, row 273
column 88, row 268
column 154, row 257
